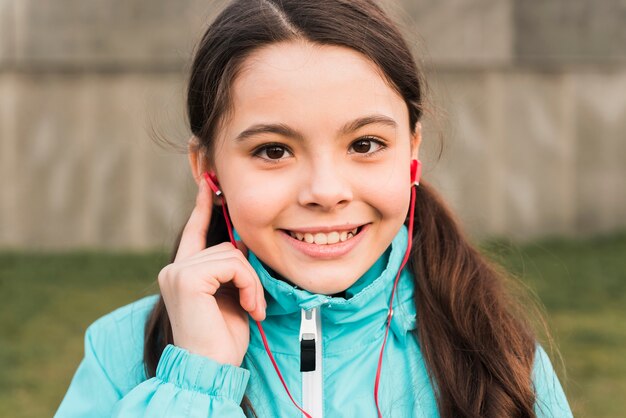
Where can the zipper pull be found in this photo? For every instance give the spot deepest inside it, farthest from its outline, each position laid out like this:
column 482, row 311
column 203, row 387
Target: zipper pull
column 308, row 338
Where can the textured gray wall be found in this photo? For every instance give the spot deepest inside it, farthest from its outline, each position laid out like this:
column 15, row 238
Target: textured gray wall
column 529, row 95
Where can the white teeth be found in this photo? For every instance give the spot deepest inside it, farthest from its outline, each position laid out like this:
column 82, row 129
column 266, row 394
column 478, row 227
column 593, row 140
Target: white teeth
column 333, row 237
column 322, row 239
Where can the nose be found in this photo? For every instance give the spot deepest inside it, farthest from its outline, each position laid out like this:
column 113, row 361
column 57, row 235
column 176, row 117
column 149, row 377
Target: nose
column 325, row 186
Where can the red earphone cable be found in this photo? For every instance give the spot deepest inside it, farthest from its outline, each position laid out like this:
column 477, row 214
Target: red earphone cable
column 258, row 323
column 393, row 291
column 280, row 376
column 228, row 226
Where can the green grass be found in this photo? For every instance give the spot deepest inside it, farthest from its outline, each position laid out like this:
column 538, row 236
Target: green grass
column 582, row 284
column 47, row 301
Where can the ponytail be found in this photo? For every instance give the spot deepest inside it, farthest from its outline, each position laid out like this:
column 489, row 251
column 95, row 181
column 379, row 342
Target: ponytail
column 479, row 355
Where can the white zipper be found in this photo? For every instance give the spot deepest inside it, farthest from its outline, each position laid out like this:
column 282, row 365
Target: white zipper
column 311, row 332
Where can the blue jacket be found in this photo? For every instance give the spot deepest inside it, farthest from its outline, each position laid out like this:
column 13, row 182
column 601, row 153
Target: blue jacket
column 343, row 335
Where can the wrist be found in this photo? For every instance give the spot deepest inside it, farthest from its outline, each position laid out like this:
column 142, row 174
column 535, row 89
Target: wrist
column 200, row 373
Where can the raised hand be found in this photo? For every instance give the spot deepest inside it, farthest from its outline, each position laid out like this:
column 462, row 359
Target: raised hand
column 208, row 292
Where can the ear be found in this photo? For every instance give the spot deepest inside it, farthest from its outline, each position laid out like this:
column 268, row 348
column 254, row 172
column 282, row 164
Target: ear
column 197, row 160
column 416, row 140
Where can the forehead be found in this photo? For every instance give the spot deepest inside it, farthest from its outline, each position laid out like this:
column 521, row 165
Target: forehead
column 302, row 80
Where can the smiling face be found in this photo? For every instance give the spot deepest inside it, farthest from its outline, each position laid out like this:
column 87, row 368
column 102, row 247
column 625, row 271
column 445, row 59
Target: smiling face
column 318, row 144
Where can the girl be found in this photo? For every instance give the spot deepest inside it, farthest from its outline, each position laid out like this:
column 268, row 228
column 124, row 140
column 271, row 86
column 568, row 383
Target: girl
column 365, row 298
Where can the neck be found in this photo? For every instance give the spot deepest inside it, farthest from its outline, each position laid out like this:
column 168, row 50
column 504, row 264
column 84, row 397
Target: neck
column 370, row 275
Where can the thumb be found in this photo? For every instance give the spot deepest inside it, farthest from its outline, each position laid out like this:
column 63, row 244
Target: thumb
column 242, row 247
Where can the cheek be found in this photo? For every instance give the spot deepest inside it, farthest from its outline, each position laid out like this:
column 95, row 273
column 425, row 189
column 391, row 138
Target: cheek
column 394, row 202
column 389, row 194
column 256, row 206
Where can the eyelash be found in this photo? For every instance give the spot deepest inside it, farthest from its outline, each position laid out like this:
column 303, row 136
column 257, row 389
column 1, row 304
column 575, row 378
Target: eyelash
column 259, row 150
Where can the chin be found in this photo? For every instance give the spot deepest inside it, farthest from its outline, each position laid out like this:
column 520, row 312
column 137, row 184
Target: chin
column 327, row 280
column 326, row 288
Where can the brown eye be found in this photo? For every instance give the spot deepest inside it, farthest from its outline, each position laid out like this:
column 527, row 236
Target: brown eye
column 275, row 153
column 362, row 146
column 368, row 146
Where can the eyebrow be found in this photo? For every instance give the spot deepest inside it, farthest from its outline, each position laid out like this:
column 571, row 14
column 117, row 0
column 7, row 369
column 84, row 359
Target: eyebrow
column 286, row 130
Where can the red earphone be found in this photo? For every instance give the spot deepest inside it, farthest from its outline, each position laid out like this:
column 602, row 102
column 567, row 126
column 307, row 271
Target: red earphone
column 213, row 183
column 416, row 172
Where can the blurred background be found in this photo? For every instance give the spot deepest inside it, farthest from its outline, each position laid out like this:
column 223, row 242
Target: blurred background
column 524, row 136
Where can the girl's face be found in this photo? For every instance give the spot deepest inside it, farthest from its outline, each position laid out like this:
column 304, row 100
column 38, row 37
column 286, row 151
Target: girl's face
column 317, row 144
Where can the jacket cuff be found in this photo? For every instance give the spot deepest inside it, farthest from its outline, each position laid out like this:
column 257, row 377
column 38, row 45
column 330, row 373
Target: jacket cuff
column 202, row 374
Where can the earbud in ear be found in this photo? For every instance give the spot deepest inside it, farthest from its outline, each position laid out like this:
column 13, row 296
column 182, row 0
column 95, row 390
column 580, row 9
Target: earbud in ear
column 211, row 179
column 416, row 172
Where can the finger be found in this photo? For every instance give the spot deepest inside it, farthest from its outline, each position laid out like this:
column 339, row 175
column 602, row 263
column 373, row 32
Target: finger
column 221, row 248
column 242, row 247
column 210, row 277
column 193, row 238
column 226, row 254
column 260, row 291
column 221, row 251
column 234, row 271
column 261, row 304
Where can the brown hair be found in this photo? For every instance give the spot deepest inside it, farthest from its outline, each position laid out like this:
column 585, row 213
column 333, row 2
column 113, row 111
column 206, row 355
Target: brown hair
column 478, row 351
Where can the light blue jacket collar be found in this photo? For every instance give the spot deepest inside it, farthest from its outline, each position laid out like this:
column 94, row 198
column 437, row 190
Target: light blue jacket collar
column 366, row 306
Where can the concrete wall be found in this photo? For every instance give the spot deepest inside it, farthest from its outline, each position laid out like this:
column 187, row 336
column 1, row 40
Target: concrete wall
column 530, row 97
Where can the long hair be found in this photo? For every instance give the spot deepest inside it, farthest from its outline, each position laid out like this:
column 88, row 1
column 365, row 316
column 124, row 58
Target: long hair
column 478, row 350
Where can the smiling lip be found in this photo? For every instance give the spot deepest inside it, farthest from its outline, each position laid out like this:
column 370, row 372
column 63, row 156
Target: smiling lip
column 327, row 251
column 325, row 229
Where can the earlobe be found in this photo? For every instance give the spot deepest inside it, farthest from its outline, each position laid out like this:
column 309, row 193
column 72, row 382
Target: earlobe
column 197, row 161
column 416, row 140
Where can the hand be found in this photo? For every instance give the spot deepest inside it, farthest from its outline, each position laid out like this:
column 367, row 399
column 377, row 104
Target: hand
column 207, row 291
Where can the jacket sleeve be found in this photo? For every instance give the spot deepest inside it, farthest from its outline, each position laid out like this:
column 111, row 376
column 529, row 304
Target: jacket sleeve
column 550, row 400
column 186, row 385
